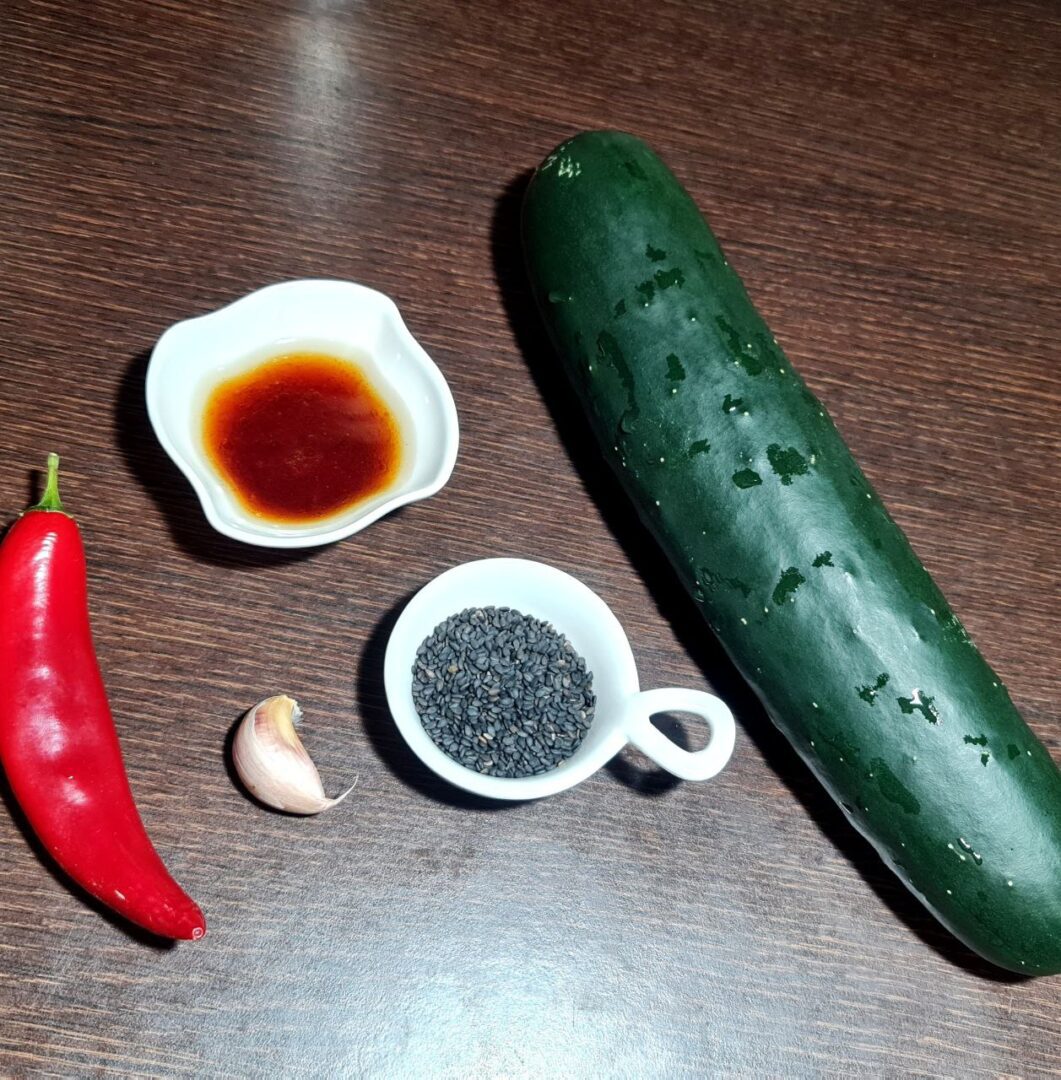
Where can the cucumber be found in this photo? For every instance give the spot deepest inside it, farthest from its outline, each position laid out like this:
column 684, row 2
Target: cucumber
column 814, row 591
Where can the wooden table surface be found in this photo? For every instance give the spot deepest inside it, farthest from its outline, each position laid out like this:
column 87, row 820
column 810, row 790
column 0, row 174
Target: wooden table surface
column 885, row 177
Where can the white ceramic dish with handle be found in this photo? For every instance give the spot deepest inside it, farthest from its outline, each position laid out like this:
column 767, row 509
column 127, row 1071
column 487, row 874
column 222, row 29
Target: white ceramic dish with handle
column 337, row 317
column 623, row 711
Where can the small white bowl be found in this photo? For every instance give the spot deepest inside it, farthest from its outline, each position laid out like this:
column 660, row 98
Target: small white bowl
column 623, row 713
column 335, row 317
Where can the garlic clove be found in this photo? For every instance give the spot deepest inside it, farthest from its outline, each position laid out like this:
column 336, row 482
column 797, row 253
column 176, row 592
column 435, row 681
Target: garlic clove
column 272, row 762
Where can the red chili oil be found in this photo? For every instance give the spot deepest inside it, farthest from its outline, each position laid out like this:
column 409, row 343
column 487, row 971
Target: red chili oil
column 301, row 437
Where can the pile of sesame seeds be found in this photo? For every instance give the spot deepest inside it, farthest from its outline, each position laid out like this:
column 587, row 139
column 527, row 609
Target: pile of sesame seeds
column 501, row 692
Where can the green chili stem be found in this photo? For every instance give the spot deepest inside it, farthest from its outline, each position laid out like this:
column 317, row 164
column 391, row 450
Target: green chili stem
column 50, row 499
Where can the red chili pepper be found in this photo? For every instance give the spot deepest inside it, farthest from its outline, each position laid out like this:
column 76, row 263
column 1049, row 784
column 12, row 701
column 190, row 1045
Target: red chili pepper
column 58, row 744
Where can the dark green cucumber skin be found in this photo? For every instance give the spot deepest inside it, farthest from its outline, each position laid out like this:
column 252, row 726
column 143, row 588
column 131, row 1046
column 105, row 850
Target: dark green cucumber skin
column 814, row 591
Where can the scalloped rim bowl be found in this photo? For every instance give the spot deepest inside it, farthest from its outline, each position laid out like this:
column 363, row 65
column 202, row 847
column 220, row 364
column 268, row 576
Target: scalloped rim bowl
column 346, row 320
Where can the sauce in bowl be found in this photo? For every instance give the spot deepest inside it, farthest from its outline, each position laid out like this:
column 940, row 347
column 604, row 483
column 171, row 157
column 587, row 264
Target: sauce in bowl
column 301, row 437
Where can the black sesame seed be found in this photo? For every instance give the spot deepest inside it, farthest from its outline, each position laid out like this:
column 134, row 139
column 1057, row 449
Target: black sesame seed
column 516, row 678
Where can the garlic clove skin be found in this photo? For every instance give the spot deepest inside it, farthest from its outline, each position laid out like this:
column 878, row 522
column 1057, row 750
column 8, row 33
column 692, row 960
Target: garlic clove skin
column 272, row 763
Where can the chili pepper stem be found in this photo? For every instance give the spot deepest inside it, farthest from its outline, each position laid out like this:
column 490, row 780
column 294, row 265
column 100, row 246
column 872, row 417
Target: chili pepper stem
column 50, row 499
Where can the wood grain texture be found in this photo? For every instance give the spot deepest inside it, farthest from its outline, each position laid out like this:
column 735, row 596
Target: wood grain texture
column 885, row 177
